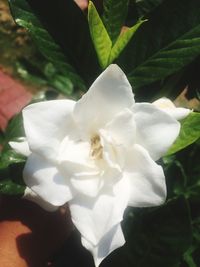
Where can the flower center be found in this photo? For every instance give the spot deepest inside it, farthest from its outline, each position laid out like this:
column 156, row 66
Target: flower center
column 96, row 147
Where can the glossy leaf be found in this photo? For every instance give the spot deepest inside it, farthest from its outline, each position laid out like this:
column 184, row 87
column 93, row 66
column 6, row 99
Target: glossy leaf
column 62, row 84
column 190, row 132
column 114, row 16
column 168, row 60
column 15, row 129
column 25, row 17
column 123, row 40
column 9, row 157
column 106, row 49
column 100, row 37
column 11, row 168
column 8, row 187
column 68, row 26
column 163, row 45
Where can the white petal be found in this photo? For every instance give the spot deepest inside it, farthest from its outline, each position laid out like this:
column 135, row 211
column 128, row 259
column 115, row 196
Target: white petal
column 46, row 124
column 77, row 152
column 108, row 95
column 111, row 241
column 94, row 218
column 32, row 196
column 21, row 148
column 74, row 162
column 89, row 186
column 44, row 179
column 146, row 178
column 155, row 130
column 122, row 128
column 113, row 159
column 168, row 106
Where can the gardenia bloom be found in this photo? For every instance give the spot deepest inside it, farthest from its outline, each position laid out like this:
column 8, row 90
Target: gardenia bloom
column 98, row 154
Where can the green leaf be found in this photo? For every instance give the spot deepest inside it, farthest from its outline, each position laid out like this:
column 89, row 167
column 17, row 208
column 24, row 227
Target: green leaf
column 15, row 128
column 62, row 84
column 123, row 40
column 25, row 17
column 162, row 46
column 190, row 132
column 8, row 187
column 27, row 76
column 168, row 60
column 107, row 50
column 100, row 37
column 145, row 6
column 114, row 16
column 154, row 237
column 189, row 258
column 11, row 168
column 10, row 157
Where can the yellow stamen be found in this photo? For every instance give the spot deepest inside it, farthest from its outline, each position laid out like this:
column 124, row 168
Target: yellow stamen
column 96, row 147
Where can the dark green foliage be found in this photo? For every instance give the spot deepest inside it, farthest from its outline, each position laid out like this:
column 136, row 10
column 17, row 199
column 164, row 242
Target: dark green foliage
column 162, row 46
column 25, row 17
column 15, row 129
column 11, row 166
column 145, row 6
column 68, row 26
column 8, row 187
column 114, row 16
column 155, row 237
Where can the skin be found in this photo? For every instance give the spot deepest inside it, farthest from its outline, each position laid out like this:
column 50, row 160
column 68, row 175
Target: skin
column 83, row 4
column 30, row 236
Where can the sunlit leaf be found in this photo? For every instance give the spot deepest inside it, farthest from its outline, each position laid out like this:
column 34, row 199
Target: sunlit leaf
column 15, row 128
column 61, row 83
column 163, row 45
column 106, row 49
column 123, row 40
column 100, row 37
column 190, row 132
column 11, row 168
column 25, row 17
column 10, row 157
column 168, row 60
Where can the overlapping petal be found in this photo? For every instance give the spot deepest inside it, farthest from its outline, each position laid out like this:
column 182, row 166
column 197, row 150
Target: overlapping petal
column 122, row 128
column 32, row 196
column 108, row 95
column 75, row 162
column 45, row 180
column 21, row 147
column 46, row 124
column 76, row 152
column 145, row 177
column 168, row 106
column 155, row 129
column 96, row 217
column 111, row 241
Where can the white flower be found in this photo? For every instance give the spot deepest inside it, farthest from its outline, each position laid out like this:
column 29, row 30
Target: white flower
column 98, row 154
